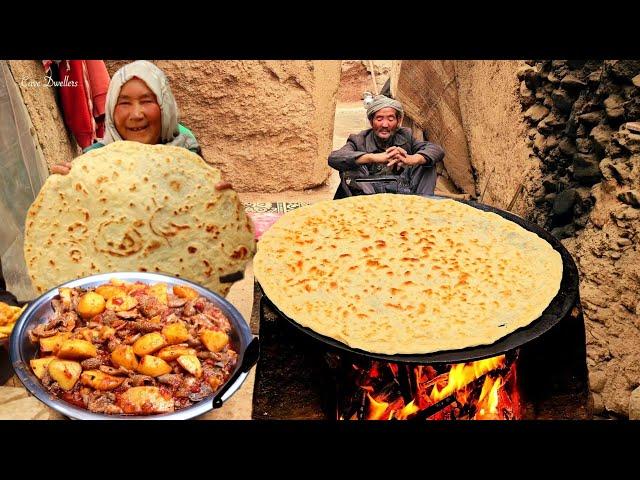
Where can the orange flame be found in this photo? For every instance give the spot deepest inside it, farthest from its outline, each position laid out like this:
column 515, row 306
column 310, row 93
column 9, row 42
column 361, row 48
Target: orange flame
column 376, row 409
column 462, row 374
column 489, row 399
column 498, row 397
column 407, row 411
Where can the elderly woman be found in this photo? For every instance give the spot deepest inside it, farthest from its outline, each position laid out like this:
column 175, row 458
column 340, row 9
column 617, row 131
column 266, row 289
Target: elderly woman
column 386, row 149
column 140, row 107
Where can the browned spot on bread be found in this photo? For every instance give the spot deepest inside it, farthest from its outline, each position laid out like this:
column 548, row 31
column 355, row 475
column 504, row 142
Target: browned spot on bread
column 240, row 253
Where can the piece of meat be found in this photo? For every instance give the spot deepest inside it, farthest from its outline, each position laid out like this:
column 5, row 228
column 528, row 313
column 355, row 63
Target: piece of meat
column 171, row 379
column 145, row 326
column 215, row 356
column 69, row 321
column 114, row 371
column 91, row 363
column 41, row 331
column 175, row 302
column 57, row 306
column 113, row 343
column 200, row 320
column 103, row 402
column 150, row 306
column 189, row 308
column 129, row 314
column 108, row 317
column 185, row 387
column 131, row 338
column 142, row 381
column 85, row 393
column 46, row 379
column 217, row 318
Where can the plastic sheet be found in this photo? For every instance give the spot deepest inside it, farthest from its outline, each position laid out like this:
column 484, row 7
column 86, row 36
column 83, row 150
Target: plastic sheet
column 23, row 172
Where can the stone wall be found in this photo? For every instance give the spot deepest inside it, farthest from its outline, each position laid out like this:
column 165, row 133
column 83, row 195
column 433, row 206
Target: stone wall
column 491, row 116
column 52, row 137
column 583, row 126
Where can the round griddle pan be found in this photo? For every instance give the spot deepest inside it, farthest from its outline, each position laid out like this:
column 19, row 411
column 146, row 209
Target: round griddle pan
column 558, row 309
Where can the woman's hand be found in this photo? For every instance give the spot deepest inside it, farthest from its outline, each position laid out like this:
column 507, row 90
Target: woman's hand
column 61, row 168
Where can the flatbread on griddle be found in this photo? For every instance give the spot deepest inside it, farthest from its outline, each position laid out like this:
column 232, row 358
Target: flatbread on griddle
column 403, row 274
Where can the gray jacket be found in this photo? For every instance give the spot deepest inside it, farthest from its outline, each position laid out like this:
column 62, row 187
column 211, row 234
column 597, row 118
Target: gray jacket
column 421, row 177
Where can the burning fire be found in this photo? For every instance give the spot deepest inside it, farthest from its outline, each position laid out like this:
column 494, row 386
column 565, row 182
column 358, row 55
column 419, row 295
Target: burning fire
column 482, row 390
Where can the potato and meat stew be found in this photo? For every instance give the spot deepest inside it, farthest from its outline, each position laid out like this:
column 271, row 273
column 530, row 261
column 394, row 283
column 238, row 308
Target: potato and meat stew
column 133, row 349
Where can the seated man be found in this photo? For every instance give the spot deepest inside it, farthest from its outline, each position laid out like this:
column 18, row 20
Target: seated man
column 386, row 149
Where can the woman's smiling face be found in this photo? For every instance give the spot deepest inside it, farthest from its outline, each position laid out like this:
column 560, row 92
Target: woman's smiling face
column 137, row 115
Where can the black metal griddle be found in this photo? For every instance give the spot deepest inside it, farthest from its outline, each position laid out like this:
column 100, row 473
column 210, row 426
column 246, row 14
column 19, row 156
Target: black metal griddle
column 558, row 309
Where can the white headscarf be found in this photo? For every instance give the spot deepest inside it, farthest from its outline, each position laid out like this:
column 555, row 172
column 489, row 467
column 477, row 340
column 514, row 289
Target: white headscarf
column 158, row 83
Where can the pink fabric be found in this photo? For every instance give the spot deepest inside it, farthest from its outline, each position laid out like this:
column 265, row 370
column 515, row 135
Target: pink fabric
column 262, row 221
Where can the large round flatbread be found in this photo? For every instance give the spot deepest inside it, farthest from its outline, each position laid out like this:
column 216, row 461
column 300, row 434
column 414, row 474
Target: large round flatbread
column 135, row 207
column 402, row 274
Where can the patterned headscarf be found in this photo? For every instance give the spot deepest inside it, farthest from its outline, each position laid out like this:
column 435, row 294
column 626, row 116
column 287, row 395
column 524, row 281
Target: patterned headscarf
column 380, row 102
column 158, row 83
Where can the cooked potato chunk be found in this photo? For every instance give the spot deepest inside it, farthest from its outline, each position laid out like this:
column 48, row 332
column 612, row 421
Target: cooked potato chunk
column 214, row 340
column 90, row 305
column 176, row 333
column 153, row 366
column 124, row 356
column 65, row 296
column 65, row 372
column 159, row 290
column 5, row 330
column 170, row 353
column 191, row 364
column 121, row 303
column 40, row 366
column 100, row 380
column 149, row 343
column 185, row 292
column 110, row 291
column 145, row 400
column 76, row 348
column 52, row 344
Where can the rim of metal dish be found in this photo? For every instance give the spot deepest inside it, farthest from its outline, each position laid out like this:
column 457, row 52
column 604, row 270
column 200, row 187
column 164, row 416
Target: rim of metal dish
column 557, row 309
column 32, row 383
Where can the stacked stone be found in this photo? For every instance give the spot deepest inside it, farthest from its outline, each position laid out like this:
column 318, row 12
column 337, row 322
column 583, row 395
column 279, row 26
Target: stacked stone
column 584, row 127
